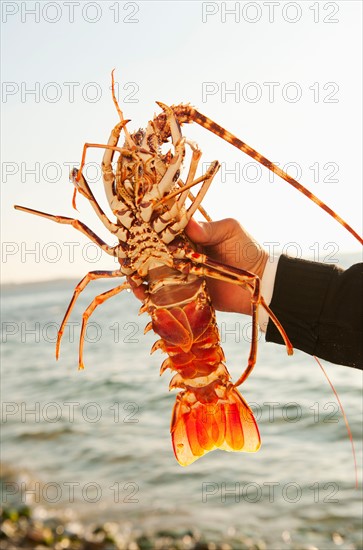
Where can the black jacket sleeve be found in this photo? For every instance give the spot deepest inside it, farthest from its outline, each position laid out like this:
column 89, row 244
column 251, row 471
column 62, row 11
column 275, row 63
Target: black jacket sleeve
column 320, row 307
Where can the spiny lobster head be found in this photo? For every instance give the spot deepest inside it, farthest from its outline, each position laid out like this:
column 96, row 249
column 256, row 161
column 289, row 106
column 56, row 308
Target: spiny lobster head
column 142, row 165
column 183, row 115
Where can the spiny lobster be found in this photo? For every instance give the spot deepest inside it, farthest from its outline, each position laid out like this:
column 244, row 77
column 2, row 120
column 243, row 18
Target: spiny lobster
column 152, row 248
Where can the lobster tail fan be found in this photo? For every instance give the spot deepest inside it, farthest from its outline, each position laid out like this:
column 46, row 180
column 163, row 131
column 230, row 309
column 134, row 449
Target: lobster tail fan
column 201, row 424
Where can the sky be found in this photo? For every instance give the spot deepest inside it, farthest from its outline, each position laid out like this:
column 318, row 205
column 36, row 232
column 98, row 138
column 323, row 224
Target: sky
column 285, row 77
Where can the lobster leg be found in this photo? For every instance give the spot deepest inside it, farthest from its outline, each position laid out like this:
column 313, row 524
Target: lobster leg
column 109, row 146
column 206, row 267
column 192, row 114
column 168, row 234
column 107, row 172
column 129, row 140
column 111, row 250
column 207, row 179
column 115, row 134
column 168, row 178
column 196, row 155
column 83, row 188
column 243, row 277
column 91, row 276
column 200, row 207
column 100, row 299
column 178, row 141
column 108, row 177
column 205, row 271
column 190, row 182
column 212, row 170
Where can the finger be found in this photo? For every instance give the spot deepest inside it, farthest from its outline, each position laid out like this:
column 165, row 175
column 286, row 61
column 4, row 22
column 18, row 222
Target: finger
column 212, row 233
column 196, row 232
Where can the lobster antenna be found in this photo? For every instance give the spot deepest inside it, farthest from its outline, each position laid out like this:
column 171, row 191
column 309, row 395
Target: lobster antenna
column 120, row 113
column 345, row 420
column 218, row 130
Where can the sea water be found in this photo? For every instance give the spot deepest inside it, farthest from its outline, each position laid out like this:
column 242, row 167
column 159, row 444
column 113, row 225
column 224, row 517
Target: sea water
column 97, row 441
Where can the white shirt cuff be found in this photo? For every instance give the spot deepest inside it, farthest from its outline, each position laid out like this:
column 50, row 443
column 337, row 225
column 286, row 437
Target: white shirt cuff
column 267, row 288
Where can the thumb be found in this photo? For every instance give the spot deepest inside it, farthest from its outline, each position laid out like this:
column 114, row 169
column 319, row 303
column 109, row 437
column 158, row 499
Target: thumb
column 208, row 233
column 197, row 232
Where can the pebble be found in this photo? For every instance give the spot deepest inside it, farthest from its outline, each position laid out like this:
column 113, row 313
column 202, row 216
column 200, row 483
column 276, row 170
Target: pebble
column 25, row 528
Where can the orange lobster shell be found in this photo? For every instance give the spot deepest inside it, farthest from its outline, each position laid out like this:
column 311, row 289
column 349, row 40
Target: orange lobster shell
column 209, row 412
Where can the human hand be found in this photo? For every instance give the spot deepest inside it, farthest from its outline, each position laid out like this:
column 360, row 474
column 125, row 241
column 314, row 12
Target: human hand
column 227, row 242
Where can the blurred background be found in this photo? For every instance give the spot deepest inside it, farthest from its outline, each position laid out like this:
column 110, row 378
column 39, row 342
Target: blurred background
column 87, row 455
